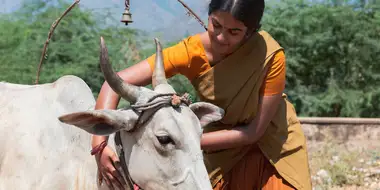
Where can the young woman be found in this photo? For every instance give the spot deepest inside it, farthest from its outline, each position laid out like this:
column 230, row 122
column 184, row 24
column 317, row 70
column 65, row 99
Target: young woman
column 259, row 144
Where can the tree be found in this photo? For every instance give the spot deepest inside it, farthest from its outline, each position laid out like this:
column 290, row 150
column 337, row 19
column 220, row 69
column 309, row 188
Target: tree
column 73, row 49
column 331, row 47
column 332, row 54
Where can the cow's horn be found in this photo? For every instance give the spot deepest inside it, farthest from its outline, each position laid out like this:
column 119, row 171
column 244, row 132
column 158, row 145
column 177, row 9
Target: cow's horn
column 158, row 76
column 127, row 91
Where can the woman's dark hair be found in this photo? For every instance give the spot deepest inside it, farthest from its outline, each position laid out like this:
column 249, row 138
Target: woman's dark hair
column 249, row 12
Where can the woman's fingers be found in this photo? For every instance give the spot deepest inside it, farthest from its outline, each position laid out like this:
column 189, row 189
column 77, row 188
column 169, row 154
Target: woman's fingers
column 119, row 181
column 118, row 173
column 108, row 181
column 111, row 174
column 100, row 177
column 110, row 170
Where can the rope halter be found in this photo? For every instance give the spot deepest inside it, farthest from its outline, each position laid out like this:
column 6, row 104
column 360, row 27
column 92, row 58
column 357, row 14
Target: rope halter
column 153, row 105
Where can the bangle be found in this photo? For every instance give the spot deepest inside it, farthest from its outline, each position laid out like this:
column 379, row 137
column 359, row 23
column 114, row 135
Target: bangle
column 99, row 148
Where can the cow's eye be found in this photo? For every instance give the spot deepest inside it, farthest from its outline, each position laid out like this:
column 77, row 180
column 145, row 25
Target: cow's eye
column 164, row 140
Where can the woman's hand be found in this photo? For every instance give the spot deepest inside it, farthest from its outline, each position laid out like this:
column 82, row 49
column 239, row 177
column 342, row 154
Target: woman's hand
column 107, row 161
column 244, row 134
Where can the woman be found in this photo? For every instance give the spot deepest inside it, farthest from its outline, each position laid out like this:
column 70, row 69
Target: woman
column 259, row 143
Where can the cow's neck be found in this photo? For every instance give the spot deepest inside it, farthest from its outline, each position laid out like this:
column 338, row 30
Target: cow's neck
column 120, row 152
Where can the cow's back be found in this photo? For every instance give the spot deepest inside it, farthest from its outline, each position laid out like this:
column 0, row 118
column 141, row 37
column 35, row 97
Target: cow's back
column 36, row 150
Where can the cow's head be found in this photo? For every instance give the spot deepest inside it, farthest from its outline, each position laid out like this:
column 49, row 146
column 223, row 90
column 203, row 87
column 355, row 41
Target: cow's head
column 161, row 144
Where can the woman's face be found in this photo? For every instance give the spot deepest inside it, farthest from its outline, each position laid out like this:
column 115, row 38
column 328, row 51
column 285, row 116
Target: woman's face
column 225, row 32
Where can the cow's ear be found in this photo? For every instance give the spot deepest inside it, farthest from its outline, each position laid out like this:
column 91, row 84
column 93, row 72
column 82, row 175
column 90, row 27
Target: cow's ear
column 101, row 122
column 207, row 112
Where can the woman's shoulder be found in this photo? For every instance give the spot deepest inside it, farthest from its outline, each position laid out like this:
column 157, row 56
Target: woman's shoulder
column 185, row 57
column 193, row 42
column 191, row 47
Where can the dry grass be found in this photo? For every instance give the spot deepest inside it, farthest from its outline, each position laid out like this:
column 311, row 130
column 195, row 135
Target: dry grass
column 333, row 165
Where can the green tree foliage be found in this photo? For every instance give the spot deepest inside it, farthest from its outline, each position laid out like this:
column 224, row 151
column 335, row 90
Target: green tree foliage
column 333, row 54
column 332, row 49
column 73, row 48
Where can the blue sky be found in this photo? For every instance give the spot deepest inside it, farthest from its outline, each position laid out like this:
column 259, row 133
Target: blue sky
column 10, row 5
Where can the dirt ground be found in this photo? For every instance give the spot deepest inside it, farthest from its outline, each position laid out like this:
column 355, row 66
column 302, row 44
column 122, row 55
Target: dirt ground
column 344, row 157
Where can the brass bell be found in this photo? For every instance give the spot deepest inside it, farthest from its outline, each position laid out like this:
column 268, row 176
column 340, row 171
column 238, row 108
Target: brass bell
column 127, row 17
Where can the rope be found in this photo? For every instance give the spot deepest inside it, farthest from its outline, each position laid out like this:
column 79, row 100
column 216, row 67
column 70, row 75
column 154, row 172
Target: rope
column 169, row 99
column 127, row 4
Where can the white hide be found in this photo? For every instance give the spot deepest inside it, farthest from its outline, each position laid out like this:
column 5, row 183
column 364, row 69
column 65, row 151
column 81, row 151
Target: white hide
column 37, row 151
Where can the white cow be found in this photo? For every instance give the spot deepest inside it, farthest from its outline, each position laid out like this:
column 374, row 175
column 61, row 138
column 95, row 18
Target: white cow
column 37, row 151
column 161, row 138
column 162, row 152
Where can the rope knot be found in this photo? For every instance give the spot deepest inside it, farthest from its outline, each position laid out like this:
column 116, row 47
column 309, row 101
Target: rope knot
column 176, row 101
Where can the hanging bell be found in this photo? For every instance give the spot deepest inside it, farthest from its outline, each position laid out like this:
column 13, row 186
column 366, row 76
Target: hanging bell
column 127, row 17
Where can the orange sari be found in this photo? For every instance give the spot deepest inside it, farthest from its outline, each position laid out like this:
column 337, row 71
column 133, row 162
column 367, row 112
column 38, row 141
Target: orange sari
column 279, row 159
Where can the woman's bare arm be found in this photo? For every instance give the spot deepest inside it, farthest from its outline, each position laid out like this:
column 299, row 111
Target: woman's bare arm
column 251, row 133
column 139, row 74
column 246, row 134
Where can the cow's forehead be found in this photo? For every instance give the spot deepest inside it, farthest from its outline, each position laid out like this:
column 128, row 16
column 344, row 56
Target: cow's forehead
column 178, row 119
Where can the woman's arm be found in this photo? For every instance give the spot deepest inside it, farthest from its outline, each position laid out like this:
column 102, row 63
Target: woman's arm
column 272, row 89
column 243, row 135
column 139, row 74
